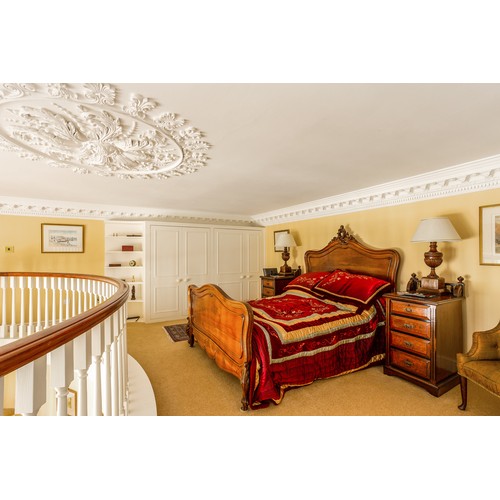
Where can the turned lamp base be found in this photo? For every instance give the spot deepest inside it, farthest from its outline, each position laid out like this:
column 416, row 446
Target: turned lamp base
column 285, row 269
column 432, row 284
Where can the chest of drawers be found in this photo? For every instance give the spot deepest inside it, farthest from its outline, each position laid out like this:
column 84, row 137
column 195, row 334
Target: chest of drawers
column 423, row 337
column 274, row 285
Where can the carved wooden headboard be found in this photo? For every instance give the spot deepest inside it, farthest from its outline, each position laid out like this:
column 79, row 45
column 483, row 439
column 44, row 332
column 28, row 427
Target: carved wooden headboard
column 346, row 253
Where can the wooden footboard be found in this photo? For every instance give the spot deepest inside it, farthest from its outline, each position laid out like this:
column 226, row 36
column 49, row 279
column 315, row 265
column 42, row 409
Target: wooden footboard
column 223, row 328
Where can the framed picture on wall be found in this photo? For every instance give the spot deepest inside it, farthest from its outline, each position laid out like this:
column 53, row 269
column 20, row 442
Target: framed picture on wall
column 62, row 238
column 489, row 235
column 276, row 233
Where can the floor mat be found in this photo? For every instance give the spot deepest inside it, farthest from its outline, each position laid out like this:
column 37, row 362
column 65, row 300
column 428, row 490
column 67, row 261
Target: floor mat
column 177, row 333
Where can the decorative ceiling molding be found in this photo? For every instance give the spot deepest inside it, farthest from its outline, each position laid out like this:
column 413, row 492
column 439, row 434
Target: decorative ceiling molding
column 49, row 208
column 470, row 177
column 86, row 128
column 473, row 176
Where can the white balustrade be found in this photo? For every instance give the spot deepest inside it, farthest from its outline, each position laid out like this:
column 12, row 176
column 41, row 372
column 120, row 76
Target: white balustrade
column 31, row 387
column 1, row 395
column 93, row 361
column 82, row 360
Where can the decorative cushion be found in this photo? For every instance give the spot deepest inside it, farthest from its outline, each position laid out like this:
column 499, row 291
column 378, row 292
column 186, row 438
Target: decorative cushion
column 356, row 289
column 306, row 282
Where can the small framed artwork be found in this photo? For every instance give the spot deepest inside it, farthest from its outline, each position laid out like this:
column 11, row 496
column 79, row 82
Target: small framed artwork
column 71, row 403
column 65, row 238
column 276, row 234
column 489, row 235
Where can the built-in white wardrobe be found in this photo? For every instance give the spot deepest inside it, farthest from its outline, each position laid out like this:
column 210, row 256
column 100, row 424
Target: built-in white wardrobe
column 179, row 255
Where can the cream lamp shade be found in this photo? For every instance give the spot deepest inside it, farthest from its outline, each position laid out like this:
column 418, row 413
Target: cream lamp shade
column 435, row 229
column 431, row 231
column 285, row 240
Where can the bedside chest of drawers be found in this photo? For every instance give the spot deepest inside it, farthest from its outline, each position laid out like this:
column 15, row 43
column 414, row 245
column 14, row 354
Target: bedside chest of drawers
column 423, row 336
column 273, row 285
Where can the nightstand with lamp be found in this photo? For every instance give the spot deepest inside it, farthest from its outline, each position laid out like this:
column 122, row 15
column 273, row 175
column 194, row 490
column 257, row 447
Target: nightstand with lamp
column 275, row 284
column 424, row 330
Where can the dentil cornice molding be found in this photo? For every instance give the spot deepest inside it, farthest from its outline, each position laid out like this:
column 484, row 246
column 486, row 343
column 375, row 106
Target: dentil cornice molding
column 50, row 208
column 85, row 127
column 468, row 177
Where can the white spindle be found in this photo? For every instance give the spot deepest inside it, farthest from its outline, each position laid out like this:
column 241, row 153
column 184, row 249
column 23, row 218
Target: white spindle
column 46, row 297
column 53, row 297
column 38, row 304
column 1, row 396
column 108, row 340
column 82, row 360
column 61, row 375
column 22, row 325
column 115, row 375
column 122, row 362
column 76, row 296
column 85, row 284
column 4, row 307
column 60, row 291
column 31, row 306
column 95, row 294
column 13, row 295
column 123, row 330
column 31, row 387
column 97, row 350
column 67, row 294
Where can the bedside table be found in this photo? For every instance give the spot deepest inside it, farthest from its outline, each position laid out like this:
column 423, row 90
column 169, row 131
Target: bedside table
column 423, row 336
column 273, row 285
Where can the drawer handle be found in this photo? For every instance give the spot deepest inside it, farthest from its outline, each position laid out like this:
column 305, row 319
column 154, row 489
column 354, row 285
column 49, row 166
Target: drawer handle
column 409, row 326
column 407, row 344
column 407, row 362
column 408, row 309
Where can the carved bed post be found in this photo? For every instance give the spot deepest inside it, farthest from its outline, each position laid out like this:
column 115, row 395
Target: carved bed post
column 245, row 385
column 189, row 331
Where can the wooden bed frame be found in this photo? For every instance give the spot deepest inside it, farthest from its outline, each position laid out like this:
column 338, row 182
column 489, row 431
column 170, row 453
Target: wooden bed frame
column 223, row 326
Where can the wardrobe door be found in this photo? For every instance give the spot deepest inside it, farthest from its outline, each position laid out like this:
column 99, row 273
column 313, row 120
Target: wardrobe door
column 254, row 261
column 229, row 262
column 179, row 257
column 238, row 262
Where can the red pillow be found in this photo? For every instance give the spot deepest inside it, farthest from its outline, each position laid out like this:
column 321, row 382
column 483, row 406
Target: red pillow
column 306, row 282
column 357, row 289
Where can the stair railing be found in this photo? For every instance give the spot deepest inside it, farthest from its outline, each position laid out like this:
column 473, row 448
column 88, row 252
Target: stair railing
column 62, row 330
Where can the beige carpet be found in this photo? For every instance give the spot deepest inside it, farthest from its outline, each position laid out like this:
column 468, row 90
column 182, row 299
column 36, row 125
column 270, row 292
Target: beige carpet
column 188, row 383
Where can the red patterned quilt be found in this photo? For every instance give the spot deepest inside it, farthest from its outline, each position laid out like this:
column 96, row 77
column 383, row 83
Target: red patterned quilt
column 298, row 338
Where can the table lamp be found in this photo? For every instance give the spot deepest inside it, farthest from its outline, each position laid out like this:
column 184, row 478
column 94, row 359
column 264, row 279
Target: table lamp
column 433, row 230
column 286, row 241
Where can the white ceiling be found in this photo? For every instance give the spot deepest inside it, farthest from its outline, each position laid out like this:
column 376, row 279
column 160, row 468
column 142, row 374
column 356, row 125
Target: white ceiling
column 279, row 145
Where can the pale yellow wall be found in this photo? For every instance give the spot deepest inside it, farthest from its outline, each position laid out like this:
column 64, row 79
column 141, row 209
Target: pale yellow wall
column 393, row 227
column 24, row 234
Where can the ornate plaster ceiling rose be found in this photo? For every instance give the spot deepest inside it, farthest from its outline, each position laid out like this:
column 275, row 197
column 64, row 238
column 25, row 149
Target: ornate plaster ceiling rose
column 85, row 128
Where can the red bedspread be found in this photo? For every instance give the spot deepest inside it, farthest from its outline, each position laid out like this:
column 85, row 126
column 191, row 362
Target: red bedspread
column 298, row 338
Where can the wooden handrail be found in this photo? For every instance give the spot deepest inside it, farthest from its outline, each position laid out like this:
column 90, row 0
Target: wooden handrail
column 27, row 349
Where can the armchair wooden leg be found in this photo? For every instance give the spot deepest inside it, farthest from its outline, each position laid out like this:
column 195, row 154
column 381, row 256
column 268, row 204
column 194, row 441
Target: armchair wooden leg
column 463, row 390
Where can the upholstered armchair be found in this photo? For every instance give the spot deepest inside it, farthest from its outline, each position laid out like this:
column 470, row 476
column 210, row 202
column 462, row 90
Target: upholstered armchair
column 481, row 364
